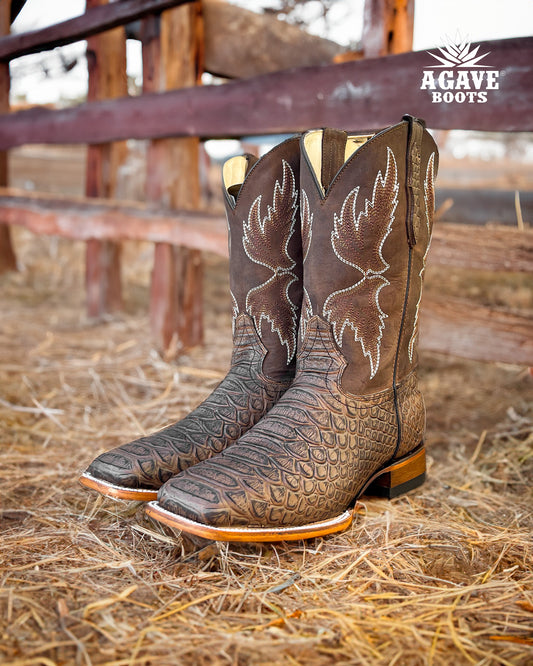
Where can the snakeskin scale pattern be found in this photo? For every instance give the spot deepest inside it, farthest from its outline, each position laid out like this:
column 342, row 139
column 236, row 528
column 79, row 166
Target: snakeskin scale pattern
column 243, row 397
column 412, row 414
column 309, row 459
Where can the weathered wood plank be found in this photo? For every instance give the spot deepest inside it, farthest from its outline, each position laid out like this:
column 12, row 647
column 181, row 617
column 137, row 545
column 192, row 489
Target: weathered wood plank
column 240, row 43
column 494, row 248
column 80, row 218
column 388, row 27
column 171, row 53
column 361, row 94
column 95, row 20
column 106, row 61
column 83, row 218
column 465, row 329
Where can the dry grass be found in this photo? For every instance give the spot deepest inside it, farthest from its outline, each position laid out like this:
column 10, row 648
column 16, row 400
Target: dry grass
column 441, row 576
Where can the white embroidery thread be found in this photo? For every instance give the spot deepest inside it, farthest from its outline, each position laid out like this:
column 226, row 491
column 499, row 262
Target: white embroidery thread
column 348, row 242
column 261, row 239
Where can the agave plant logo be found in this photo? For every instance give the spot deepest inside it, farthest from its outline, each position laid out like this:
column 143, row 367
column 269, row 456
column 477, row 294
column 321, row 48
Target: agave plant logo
column 460, row 76
column 459, row 55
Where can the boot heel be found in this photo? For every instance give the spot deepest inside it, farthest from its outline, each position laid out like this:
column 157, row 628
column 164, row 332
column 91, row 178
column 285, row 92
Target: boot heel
column 401, row 477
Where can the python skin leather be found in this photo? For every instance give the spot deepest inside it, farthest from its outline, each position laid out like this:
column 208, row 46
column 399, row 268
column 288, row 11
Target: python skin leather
column 243, row 397
column 266, row 289
column 306, row 460
column 354, row 407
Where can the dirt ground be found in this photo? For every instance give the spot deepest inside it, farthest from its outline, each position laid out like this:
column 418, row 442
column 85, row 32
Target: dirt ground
column 442, row 575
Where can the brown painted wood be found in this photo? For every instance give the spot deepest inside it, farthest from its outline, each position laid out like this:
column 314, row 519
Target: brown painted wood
column 494, row 248
column 94, row 21
column 369, row 93
column 82, row 218
column 8, row 260
column 171, row 51
column 240, row 43
column 465, row 329
column 106, row 60
column 388, row 27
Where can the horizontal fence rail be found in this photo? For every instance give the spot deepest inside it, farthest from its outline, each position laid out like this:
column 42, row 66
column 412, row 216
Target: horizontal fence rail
column 84, row 218
column 495, row 248
column 353, row 95
column 95, row 20
column 462, row 328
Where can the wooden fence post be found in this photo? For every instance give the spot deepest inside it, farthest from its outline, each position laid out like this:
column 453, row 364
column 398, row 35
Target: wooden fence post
column 171, row 47
column 388, row 27
column 106, row 61
column 8, row 261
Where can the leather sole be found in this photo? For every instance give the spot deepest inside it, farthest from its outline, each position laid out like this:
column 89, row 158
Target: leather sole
column 115, row 491
column 391, row 481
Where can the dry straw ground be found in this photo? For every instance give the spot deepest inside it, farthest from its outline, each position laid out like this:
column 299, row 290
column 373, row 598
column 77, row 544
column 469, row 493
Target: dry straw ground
column 441, row 576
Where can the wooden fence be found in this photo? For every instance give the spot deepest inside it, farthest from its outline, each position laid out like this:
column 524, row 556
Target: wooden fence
column 174, row 113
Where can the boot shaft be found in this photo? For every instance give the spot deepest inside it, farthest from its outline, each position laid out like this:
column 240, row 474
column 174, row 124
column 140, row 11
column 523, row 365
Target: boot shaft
column 367, row 211
column 262, row 206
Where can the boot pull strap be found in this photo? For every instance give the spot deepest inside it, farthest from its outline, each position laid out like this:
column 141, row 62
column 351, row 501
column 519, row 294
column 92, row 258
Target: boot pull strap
column 414, row 149
column 333, row 147
column 234, row 190
column 250, row 161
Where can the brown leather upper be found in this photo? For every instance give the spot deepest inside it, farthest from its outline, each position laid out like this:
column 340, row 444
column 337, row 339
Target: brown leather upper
column 359, row 228
column 266, row 255
column 308, row 458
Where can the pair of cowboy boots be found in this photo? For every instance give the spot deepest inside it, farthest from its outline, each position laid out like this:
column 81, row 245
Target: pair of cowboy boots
column 328, row 238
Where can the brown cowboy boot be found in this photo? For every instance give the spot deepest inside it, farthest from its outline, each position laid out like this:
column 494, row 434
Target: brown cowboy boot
column 266, row 287
column 353, row 419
